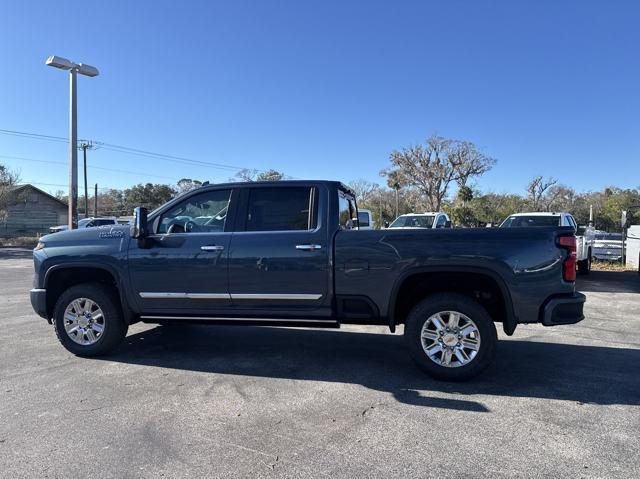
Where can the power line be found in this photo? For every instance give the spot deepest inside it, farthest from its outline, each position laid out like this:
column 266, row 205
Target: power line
column 130, row 151
column 91, row 167
column 62, row 186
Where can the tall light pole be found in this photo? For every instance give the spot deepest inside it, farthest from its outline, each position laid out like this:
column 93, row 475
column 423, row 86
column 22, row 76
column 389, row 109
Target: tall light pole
column 74, row 69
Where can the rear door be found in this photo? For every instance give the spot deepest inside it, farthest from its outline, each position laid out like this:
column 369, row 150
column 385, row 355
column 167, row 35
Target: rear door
column 280, row 250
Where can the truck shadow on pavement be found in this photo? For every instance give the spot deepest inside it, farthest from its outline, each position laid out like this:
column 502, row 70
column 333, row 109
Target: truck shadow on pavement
column 609, row 282
column 584, row 374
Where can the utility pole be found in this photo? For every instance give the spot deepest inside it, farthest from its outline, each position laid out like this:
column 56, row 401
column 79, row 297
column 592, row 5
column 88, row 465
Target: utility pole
column 95, row 201
column 86, row 145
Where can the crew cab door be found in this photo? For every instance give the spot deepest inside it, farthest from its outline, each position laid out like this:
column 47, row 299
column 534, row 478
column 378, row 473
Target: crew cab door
column 280, row 250
column 182, row 267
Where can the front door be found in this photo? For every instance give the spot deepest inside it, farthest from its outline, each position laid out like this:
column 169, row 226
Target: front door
column 182, row 268
column 279, row 256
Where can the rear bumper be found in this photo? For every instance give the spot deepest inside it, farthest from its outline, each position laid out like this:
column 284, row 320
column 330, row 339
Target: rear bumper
column 564, row 309
column 39, row 302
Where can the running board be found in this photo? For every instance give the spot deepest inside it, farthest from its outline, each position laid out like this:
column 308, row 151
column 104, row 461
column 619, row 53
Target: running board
column 289, row 322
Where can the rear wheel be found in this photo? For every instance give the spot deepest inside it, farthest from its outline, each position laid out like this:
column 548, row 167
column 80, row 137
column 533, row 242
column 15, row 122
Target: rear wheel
column 584, row 266
column 88, row 320
column 450, row 337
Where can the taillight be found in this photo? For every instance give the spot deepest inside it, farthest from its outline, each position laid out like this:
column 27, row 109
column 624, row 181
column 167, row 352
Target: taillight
column 569, row 265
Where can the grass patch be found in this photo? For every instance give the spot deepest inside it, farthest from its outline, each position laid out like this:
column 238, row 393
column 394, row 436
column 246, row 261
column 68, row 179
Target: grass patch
column 598, row 265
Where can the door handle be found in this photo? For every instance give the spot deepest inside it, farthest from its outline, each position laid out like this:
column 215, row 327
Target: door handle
column 308, row 247
column 212, row 247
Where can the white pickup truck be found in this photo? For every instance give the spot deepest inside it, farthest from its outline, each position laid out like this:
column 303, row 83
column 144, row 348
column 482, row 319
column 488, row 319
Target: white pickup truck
column 422, row 220
column 585, row 235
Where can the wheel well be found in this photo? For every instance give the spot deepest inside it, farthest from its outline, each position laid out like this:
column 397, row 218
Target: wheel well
column 478, row 286
column 62, row 279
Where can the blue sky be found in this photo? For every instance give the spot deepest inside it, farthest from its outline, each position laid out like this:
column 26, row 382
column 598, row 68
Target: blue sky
column 327, row 89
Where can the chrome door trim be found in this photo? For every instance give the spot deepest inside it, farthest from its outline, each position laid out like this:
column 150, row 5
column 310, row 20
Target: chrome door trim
column 288, row 296
column 160, row 295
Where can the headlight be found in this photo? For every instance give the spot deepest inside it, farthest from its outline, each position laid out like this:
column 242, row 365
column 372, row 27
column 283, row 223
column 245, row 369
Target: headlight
column 39, row 246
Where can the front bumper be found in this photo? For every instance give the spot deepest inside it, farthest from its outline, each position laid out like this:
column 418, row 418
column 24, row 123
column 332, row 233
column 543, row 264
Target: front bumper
column 563, row 309
column 39, row 302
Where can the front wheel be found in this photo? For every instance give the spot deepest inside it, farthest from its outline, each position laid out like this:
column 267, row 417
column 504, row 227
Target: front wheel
column 88, row 320
column 450, row 337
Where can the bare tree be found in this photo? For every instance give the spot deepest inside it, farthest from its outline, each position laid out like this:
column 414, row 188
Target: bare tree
column 536, row 190
column 363, row 190
column 247, row 174
column 8, row 181
column 432, row 167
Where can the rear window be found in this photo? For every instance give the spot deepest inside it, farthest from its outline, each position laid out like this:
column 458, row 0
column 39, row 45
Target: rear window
column 526, row 221
column 363, row 219
column 413, row 222
column 103, row 222
column 280, row 209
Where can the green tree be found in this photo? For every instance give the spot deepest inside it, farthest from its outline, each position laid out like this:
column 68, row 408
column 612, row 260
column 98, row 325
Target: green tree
column 148, row 195
column 187, row 184
column 8, row 181
column 247, row 174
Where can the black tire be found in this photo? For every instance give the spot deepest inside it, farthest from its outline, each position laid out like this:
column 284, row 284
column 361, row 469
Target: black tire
column 462, row 304
column 584, row 266
column 114, row 327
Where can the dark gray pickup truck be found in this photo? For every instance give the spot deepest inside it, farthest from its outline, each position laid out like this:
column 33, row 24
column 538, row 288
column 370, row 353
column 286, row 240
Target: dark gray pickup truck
column 290, row 254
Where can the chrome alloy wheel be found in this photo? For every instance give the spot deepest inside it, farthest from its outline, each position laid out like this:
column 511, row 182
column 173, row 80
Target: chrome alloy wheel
column 450, row 339
column 84, row 321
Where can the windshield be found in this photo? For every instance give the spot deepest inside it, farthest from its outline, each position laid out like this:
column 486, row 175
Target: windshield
column 520, row 221
column 413, row 221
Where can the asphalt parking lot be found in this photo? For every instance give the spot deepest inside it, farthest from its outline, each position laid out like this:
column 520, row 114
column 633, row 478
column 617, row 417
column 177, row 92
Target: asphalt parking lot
column 226, row 402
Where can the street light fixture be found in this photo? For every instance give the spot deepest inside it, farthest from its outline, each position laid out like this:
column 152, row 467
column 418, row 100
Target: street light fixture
column 74, row 69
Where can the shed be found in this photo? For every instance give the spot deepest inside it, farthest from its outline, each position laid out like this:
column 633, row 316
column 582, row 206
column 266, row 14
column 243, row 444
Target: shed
column 32, row 211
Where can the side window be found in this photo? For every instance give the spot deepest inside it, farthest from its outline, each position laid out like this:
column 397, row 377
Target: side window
column 347, row 211
column 281, row 209
column 201, row 213
column 442, row 221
